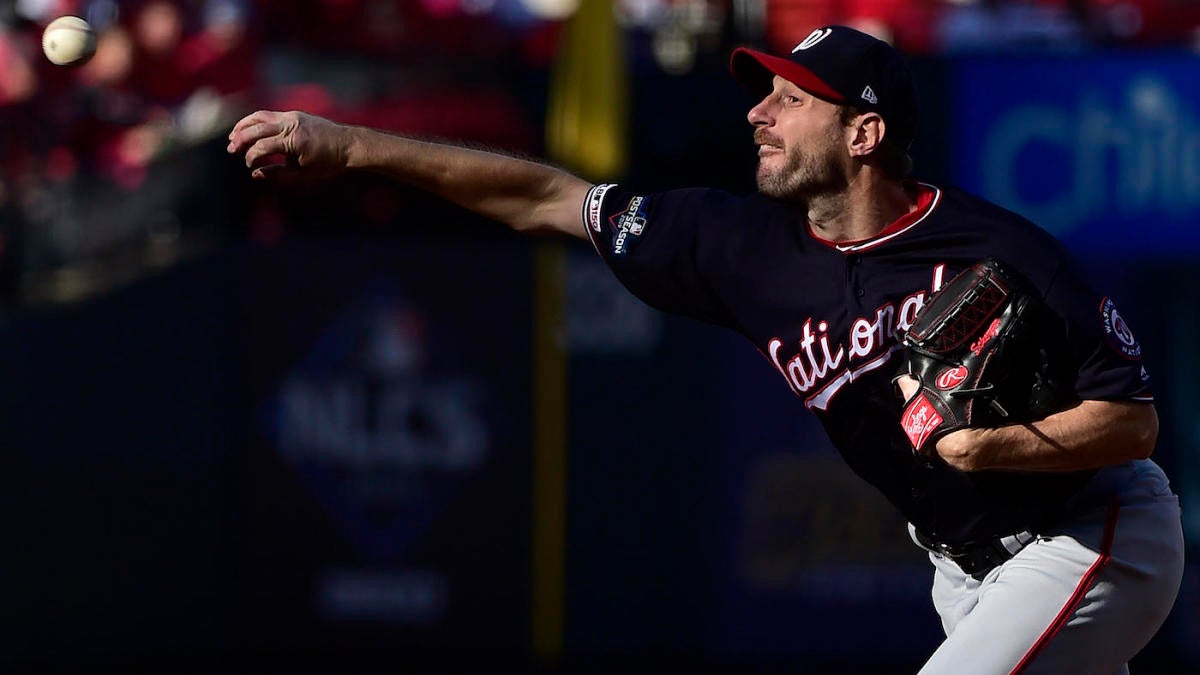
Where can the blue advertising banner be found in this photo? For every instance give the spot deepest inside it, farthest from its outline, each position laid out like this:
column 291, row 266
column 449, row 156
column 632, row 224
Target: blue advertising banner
column 385, row 484
column 1102, row 150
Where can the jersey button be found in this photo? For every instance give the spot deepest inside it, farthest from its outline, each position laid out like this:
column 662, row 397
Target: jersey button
column 859, row 291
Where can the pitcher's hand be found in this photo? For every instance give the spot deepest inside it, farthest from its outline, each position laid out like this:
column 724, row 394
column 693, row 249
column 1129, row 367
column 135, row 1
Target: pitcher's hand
column 290, row 144
column 957, row 448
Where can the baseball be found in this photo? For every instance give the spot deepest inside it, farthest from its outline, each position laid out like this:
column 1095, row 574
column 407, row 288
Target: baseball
column 68, row 41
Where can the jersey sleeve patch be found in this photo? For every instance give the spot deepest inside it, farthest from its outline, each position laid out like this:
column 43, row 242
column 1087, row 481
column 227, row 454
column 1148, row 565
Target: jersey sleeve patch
column 592, row 206
column 628, row 225
column 1117, row 332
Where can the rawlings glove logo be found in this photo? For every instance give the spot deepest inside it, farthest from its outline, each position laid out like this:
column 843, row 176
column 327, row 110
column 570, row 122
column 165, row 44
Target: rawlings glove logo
column 951, row 377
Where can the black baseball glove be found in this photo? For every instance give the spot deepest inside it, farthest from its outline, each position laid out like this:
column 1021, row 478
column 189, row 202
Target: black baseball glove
column 984, row 350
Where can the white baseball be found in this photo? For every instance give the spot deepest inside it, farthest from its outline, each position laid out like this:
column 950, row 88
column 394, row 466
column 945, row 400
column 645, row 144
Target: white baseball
column 68, row 41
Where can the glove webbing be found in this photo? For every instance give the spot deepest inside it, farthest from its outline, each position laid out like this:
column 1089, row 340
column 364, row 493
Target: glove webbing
column 963, row 320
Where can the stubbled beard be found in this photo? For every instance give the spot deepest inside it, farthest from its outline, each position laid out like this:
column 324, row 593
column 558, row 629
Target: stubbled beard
column 802, row 176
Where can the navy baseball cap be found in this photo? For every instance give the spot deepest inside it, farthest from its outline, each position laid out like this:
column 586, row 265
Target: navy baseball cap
column 841, row 65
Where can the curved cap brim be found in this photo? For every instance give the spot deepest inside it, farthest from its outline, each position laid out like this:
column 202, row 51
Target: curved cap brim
column 755, row 70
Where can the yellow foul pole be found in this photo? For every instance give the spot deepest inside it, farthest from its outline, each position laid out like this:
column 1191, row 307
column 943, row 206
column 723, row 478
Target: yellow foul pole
column 586, row 133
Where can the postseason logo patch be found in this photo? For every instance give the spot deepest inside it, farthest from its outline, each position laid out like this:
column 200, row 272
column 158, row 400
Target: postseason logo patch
column 628, row 225
column 1117, row 332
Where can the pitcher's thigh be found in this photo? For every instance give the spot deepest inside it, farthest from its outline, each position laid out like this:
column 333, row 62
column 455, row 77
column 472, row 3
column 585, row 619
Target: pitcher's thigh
column 1062, row 607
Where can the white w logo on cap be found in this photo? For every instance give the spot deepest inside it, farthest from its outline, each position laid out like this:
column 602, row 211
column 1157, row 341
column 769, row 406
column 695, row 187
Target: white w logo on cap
column 813, row 38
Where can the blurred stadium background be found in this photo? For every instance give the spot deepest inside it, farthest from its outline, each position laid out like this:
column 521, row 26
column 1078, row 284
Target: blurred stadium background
column 349, row 428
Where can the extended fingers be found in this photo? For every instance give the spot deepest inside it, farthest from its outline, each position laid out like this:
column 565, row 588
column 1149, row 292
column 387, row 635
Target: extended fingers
column 273, row 144
column 264, row 147
column 248, row 136
column 257, row 117
column 252, row 128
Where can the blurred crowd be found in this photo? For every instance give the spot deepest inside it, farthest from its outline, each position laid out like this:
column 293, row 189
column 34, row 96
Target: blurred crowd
column 99, row 155
column 126, row 149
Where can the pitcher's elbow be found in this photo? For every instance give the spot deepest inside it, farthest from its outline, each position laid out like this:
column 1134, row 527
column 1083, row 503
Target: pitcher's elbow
column 1146, row 433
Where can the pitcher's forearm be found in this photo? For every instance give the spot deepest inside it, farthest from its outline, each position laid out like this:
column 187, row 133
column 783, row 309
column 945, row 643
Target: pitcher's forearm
column 525, row 195
column 1091, row 435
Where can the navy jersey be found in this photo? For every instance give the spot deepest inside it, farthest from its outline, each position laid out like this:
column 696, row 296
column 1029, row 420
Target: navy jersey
column 826, row 316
